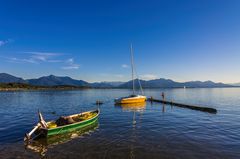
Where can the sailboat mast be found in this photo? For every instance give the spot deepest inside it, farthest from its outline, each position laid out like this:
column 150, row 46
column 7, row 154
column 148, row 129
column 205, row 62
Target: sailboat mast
column 131, row 50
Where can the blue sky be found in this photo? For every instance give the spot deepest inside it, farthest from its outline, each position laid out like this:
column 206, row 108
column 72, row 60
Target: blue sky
column 181, row 40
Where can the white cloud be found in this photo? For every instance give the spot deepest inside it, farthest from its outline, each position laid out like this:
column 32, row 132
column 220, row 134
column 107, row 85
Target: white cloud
column 124, row 66
column 71, row 60
column 4, row 42
column 43, row 56
column 70, row 65
column 148, row 76
column 46, row 57
column 54, row 61
column 36, row 57
column 17, row 60
column 43, row 53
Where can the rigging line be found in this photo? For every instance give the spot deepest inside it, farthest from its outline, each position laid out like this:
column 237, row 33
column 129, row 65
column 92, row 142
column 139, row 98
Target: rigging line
column 131, row 50
column 140, row 85
column 134, row 69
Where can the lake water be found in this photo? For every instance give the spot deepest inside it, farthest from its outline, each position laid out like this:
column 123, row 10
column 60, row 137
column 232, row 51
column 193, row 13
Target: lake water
column 151, row 131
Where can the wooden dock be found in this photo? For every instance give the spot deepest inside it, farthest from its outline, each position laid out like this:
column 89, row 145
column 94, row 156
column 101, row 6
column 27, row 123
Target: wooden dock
column 193, row 107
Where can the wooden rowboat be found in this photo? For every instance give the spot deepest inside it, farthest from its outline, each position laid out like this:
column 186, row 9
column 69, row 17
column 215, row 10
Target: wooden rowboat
column 78, row 121
column 42, row 145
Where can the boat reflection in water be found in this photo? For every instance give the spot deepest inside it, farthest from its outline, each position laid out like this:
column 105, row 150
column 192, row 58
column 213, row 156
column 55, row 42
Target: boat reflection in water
column 41, row 145
column 135, row 107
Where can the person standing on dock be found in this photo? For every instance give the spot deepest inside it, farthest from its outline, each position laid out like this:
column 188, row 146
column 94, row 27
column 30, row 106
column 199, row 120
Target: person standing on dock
column 163, row 95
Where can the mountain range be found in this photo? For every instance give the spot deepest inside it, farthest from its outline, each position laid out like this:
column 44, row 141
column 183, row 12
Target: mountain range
column 167, row 83
column 52, row 80
column 235, row 84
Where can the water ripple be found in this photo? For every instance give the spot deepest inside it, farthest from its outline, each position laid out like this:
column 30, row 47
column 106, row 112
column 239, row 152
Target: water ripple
column 156, row 131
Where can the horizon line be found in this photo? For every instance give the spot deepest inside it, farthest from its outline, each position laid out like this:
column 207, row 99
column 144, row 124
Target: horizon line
column 117, row 81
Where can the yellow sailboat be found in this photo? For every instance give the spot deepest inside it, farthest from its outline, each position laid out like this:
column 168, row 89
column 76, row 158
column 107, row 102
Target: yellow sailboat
column 133, row 98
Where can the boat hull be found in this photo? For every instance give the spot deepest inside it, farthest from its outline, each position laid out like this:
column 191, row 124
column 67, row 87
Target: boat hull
column 68, row 128
column 129, row 100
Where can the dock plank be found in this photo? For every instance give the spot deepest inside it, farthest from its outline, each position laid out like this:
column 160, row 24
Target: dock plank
column 193, row 107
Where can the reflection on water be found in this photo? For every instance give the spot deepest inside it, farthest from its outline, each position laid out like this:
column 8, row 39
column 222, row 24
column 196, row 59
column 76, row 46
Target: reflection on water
column 136, row 108
column 132, row 106
column 151, row 131
column 41, row 145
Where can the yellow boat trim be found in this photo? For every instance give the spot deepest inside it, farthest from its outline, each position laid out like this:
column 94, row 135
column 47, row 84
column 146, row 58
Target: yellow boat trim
column 137, row 99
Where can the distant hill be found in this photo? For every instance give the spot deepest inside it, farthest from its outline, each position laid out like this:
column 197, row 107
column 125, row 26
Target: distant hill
column 167, row 83
column 51, row 80
column 209, row 84
column 56, row 81
column 25, row 86
column 235, row 84
column 7, row 78
column 106, row 84
column 136, row 84
column 161, row 83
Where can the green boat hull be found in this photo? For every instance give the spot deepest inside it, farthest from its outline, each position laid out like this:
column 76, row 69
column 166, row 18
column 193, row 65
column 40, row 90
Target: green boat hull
column 42, row 144
column 71, row 127
column 68, row 128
